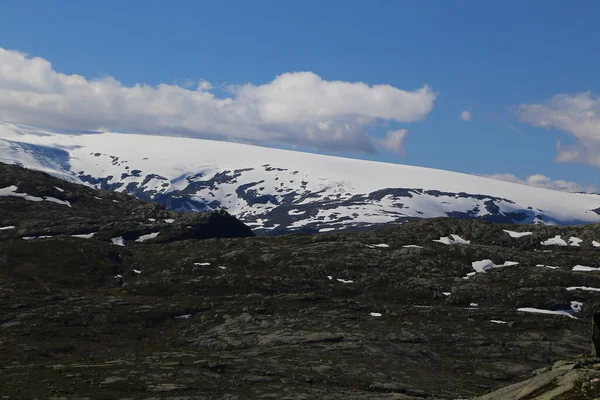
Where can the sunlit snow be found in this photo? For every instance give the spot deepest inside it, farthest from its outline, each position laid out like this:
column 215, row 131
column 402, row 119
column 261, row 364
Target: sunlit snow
column 307, row 178
column 169, row 220
column 484, row 265
column 119, row 241
column 497, row 321
column 344, row 280
column 547, row 266
column 586, row 288
column 12, row 192
column 375, row 314
column 57, row 201
column 4, row 228
column 453, row 239
column 412, row 246
column 584, row 268
column 84, row 235
column 149, row 236
column 576, row 306
column 541, row 311
column 574, row 241
column 514, row 234
column 326, row 229
column 555, row 241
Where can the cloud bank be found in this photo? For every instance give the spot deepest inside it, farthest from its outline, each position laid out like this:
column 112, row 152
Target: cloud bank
column 296, row 108
column 577, row 115
column 547, row 183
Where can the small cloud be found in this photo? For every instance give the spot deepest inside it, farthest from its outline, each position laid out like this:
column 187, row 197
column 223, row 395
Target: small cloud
column 577, row 115
column 465, row 115
column 394, row 141
column 204, row 85
column 545, row 182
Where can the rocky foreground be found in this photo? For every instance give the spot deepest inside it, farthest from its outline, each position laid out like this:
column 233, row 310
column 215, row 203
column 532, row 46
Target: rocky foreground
column 105, row 297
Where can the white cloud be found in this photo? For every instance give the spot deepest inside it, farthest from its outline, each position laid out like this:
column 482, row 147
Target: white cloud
column 578, row 115
column 545, row 182
column 296, row 108
column 465, row 115
column 394, row 141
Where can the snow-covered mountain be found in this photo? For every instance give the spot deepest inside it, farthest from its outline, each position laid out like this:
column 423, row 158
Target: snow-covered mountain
column 277, row 190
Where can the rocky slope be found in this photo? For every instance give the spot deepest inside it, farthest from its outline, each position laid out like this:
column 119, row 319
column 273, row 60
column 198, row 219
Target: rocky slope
column 36, row 205
column 434, row 309
column 276, row 191
column 577, row 379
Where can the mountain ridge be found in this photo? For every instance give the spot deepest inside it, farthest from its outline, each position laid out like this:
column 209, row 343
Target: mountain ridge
column 279, row 191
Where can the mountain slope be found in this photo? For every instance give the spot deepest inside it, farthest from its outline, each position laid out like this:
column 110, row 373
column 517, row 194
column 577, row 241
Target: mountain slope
column 276, row 190
column 432, row 309
column 34, row 205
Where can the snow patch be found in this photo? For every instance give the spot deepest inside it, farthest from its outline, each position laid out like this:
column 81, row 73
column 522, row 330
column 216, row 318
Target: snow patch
column 149, row 236
column 576, row 306
column 5, row 228
column 541, row 311
column 59, row 189
column 119, row 241
column 595, row 244
column 169, row 220
column 201, row 264
column 326, row 229
column 497, row 321
column 375, row 314
column 184, row 316
column 547, row 266
column 484, row 265
column 555, row 241
column 574, row 241
column 58, row 201
column 584, row 268
column 412, row 246
column 514, row 234
column 586, row 288
column 452, row 239
column 84, row 235
column 344, row 280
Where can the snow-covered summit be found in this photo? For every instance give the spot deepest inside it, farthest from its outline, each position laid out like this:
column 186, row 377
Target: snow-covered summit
column 273, row 189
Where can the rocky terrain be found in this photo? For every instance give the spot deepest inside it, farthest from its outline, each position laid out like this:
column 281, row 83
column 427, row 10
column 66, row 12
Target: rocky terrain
column 276, row 191
column 103, row 296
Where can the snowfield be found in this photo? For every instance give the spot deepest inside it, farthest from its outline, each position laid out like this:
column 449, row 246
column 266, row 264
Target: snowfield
column 272, row 189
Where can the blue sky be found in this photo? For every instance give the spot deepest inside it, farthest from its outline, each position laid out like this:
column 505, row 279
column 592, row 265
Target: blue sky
column 487, row 58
